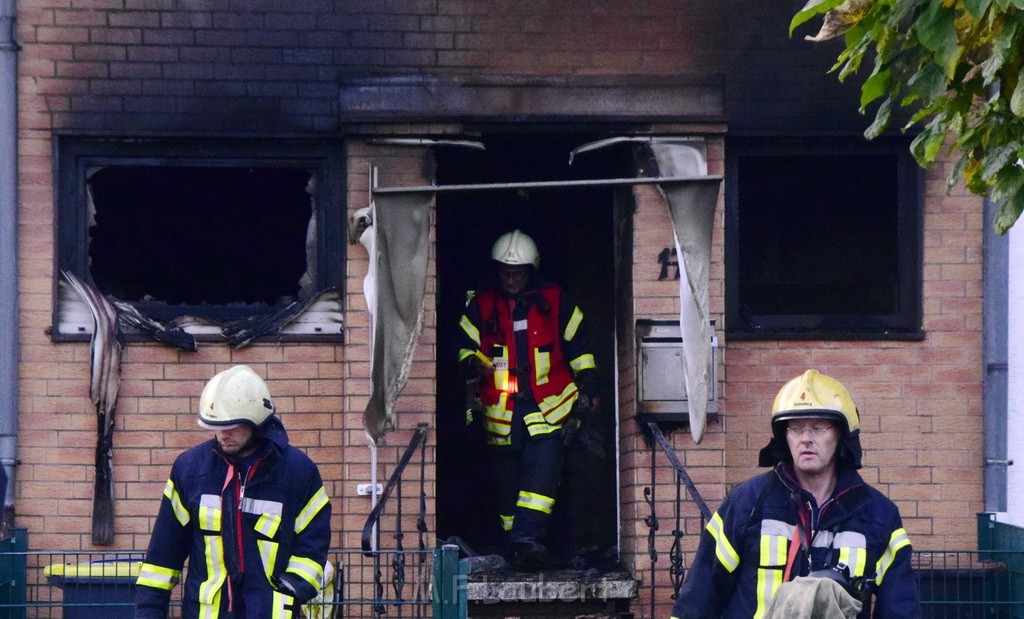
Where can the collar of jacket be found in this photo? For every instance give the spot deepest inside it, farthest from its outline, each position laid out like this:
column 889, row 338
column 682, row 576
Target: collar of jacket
column 847, row 497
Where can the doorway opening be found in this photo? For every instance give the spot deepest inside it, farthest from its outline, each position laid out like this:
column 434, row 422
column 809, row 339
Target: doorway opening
column 573, row 227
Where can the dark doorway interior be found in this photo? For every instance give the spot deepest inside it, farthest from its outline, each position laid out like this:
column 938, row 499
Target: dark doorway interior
column 573, row 228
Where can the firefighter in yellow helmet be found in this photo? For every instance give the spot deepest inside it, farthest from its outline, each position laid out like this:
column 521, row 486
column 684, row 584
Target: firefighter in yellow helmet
column 247, row 510
column 811, row 516
column 528, row 344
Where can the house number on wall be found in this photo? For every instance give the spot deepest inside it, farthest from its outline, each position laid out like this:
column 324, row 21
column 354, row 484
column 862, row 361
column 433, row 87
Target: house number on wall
column 665, row 258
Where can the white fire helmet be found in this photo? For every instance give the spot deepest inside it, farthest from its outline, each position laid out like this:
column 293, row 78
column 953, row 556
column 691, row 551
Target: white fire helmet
column 515, row 248
column 235, row 396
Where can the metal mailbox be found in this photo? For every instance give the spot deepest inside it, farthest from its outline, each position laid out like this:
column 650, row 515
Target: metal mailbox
column 661, row 389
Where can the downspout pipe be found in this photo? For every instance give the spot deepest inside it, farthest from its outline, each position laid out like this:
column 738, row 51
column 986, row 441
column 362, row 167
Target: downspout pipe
column 8, row 254
column 995, row 309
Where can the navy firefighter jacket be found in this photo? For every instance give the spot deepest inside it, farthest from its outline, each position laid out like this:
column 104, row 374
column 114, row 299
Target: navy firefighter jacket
column 741, row 559
column 255, row 535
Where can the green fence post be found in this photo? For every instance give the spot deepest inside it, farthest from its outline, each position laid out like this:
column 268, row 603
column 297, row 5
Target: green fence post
column 13, row 577
column 446, row 588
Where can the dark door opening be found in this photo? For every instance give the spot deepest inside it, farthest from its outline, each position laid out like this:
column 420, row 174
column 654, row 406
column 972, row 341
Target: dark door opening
column 573, row 229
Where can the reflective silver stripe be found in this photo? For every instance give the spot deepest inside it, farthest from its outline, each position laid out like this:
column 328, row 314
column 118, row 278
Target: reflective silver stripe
column 268, row 524
column 216, row 571
column 259, row 506
column 268, row 554
column 573, row 324
column 897, row 540
column 306, row 569
column 180, row 512
column 534, row 501
column 853, row 551
column 583, row 362
column 210, row 512
column 777, row 527
column 723, row 548
column 312, row 508
column 158, row 577
column 519, row 325
column 279, row 603
column 823, row 539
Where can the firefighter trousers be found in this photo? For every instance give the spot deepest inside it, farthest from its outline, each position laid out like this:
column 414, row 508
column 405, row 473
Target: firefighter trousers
column 527, row 474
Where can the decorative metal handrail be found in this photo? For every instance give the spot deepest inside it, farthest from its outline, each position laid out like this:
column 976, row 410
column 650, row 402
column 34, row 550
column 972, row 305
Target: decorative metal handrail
column 372, row 528
column 676, row 570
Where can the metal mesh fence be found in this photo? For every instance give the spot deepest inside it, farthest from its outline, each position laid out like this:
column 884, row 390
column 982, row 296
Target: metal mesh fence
column 970, row 584
column 101, row 585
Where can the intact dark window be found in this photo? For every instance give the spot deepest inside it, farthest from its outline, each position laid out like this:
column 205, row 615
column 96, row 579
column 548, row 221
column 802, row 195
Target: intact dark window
column 822, row 239
column 215, row 232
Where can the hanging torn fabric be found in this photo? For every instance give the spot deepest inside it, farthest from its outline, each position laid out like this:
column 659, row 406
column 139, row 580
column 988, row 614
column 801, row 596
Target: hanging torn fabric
column 691, row 195
column 105, row 372
column 692, row 207
column 398, row 258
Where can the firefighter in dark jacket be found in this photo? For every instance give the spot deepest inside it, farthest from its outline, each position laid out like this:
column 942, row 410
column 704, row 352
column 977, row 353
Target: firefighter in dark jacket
column 811, row 523
column 248, row 511
column 528, row 344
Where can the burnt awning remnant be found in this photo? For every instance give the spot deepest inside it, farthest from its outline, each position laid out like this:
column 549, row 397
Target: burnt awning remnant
column 105, row 373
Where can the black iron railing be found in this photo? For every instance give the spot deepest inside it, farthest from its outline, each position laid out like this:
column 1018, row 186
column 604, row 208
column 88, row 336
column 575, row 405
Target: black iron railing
column 370, row 541
column 676, row 570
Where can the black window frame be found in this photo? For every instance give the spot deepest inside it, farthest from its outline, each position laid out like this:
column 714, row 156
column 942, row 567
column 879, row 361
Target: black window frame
column 74, row 155
column 903, row 324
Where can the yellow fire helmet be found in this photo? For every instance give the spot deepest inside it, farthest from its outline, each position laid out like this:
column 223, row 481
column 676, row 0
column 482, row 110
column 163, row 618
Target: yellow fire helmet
column 235, row 396
column 814, row 395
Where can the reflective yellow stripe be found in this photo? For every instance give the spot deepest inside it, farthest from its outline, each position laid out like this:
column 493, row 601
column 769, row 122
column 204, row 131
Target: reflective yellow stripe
column 583, row 362
column 542, row 363
column 211, row 610
column 897, row 540
column 158, row 577
column 306, row 569
column 852, row 551
column 268, row 554
column 216, row 572
column 465, row 352
column 773, row 563
column 209, row 512
column 506, row 522
column 573, row 324
column 312, row 508
column 723, row 549
column 470, row 329
column 557, row 407
column 180, row 512
column 534, row 501
column 268, row 524
column 279, row 606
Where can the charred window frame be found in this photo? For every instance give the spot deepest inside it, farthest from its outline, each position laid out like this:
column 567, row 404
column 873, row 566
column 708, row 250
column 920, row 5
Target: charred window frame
column 823, row 239
column 189, row 231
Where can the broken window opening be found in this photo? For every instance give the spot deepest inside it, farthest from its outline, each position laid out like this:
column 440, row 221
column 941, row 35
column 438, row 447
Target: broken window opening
column 204, row 233
column 822, row 239
column 200, row 235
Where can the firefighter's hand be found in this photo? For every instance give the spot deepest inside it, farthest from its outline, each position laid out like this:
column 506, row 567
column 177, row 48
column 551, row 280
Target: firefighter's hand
column 588, row 404
column 569, row 430
column 485, row 370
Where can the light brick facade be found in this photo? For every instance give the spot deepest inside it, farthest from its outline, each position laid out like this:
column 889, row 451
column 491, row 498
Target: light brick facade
column 269, row 69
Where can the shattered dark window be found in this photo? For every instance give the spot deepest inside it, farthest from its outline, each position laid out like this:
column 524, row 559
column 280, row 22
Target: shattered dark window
column 822, row 239
column 200, row 232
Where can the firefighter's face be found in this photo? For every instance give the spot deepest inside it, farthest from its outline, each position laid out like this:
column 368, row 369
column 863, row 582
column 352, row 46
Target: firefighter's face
column 813, row 444
column 513, row 278
column 236, row 441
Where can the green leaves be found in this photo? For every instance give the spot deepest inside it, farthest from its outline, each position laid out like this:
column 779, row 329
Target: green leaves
column 812, row 8
column 961, row 63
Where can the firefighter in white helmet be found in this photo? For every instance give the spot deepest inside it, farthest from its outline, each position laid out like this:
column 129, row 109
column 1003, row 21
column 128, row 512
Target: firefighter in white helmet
column 812, row 516
column 528, row 344
column 248, row 511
